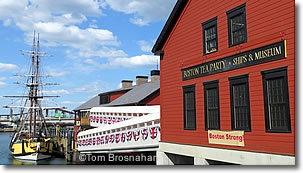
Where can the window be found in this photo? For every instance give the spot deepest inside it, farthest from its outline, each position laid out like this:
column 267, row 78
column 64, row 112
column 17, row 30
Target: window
column 104, row 99
column 237, row 31
column 189, row 104
column 210, row 36
column 211, row 104
column 276, row 100
column 240, row 105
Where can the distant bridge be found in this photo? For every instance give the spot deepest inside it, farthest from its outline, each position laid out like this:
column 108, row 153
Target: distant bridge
column 7, row 115
column 13, row 117
column 48, row 120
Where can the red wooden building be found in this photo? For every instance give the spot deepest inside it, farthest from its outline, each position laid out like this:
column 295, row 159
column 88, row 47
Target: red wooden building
column 143, row 93
column 228, row 83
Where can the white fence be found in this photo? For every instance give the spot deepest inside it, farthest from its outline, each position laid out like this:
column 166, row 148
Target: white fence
column 102, row 116
column 139, row 133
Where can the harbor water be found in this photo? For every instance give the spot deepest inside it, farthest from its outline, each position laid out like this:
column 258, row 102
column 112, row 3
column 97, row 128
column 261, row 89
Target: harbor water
column 7, row 159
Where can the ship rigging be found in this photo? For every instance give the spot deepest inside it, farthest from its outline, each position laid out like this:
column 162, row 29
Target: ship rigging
column 32, row 140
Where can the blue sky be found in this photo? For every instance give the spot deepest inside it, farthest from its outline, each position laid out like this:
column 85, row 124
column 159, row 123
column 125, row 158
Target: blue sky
column 94, row 44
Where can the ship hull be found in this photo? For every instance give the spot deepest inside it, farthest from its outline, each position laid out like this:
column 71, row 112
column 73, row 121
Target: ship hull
column 33, row 157
column 31, row 149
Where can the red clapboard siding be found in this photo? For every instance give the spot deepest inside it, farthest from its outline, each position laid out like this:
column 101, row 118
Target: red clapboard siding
column 114, row 96
column 267, row 22
column 153, row 99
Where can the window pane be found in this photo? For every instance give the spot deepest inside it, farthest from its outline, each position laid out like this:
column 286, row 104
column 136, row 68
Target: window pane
column 276, row 101
column 104, row 99
column 277, row 104
column 237, row 31
column 212, row 108
column 237, row 22
column 210, row 39
column 189, row 109
column 241, row 112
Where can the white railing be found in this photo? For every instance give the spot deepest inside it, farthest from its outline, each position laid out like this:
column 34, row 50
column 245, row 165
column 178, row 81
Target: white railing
column 103, row 116
column 137, row 134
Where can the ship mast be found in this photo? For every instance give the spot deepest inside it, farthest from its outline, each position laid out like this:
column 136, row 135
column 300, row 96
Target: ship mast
column 34, row 97
column 34, row 88
column 31, row 91
column 35, row 100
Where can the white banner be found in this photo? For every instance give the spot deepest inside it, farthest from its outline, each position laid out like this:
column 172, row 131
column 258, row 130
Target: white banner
column 235, row 138
column 140, row 136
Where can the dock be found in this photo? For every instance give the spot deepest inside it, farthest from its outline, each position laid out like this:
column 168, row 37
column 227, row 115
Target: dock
column 61, row 131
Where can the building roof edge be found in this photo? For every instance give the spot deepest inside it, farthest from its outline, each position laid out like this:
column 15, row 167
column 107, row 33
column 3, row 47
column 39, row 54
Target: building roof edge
column 168, row 27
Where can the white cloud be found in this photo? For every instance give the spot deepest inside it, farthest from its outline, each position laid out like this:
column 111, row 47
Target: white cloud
column 93, row 24
column 70, row 18
column 56, row 92
column 87, row 7
column 71, row 103
column 127, row 62
column 139, row 21
column 7, row 67
column 9, row 8
column 7, row 22
column 67, row 11
column 145, row 46
column 57, row 22
column 145, row 11
column 135, row 61
column 2, row 84
column 58, row 74
column 57, row 34
column 93, row 87
column 104, row 52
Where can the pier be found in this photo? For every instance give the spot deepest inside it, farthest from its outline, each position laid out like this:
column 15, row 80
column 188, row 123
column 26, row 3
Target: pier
column 61, row 130
column 64, row 143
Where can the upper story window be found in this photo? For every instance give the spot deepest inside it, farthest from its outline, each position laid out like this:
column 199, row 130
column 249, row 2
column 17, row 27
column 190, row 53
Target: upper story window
column 210, row 36
column 189, row 106
column 237, row 30
column 276, row 100
column 104, row 99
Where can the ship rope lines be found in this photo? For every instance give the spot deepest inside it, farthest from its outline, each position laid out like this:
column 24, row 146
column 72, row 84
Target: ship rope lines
column 32, row 140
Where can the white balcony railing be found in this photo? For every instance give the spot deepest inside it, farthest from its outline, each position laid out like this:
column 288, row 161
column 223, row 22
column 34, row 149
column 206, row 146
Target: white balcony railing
column 103, row 116
column 140, row 133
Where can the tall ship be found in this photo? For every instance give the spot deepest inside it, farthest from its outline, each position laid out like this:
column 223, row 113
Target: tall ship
column 32, row 139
